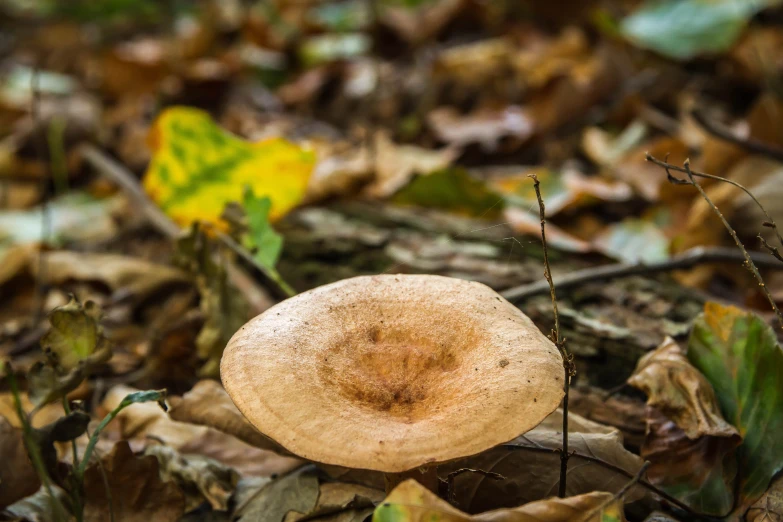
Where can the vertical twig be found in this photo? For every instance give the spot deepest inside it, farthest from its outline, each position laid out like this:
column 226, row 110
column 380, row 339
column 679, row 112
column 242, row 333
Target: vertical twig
column 569, row 369
column 748, row 261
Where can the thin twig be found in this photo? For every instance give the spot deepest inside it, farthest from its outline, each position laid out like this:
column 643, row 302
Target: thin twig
column 769, row 248
column 751, row 144
column 748, row 260
column 769, row 223
column 688, row 259
column 620, row 494
column 116, row 172
column 569, row 369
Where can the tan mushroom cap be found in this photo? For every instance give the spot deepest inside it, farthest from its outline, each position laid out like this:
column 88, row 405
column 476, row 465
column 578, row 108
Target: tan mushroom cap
column 392, row 372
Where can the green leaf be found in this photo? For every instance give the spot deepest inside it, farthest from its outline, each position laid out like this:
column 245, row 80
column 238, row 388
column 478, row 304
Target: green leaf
column 739, row 354
column 684, row 29
column 262, row 240
column 454, row 190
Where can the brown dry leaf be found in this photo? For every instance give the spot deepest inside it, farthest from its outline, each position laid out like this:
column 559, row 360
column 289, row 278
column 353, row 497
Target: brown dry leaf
column 417, row 25
column 129, row 275
column 200, row 478
column 147, row 419
column 530, row 466
column 755, row 57
column 769, row 508
column 135, row 67
column 341, row 167
column 648, row 179
column 341, row 502
column 484, row 126
column 18, row 478
column 687, row 437
column 623, row 413
column 38, row 507
column 681, row 392
column 544, row 60
column 395, row 165
column 136, row 493
column 477, row 64
column 411, row 502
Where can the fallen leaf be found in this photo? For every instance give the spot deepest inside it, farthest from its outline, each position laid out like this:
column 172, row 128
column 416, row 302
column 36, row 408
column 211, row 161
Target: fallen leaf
column 135, row 491
column 687, row 437
column 633, row 241
column 411, row 502
column 330, row 47
column 419, row 24
column 197, row 168
column 477, row 64
column 685, row 29
column 341, row 502
column 560, row 190
column 297, row 491
column 739, row 354
column 18, row 478
column 531, row 471
column 208, row 404
column 528, row 223
column 395, row 165
column 485, row 126
column 452, row 190
column 768, row 508
column 209, row 479
column 39, row 507
column 122, row 274
column 140, row 421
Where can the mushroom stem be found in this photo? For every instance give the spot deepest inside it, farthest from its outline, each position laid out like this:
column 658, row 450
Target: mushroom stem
column 427, row 477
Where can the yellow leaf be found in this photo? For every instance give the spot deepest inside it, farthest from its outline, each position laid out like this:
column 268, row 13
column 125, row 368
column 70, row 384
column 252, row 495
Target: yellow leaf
column 197, row 167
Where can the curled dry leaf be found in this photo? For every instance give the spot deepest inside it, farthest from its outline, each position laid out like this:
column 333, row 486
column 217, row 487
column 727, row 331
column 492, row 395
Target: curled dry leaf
column 411, row 502
column 18, row 478
column 140, row 421
column 687, row 437
column 417, row 25
column 485, row 126
column 135, row 492
column 199, row 477
column 530, row 465
column 39, row 507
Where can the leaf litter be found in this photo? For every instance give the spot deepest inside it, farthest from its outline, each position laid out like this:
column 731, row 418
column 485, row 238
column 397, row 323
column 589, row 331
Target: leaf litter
column 300, row 143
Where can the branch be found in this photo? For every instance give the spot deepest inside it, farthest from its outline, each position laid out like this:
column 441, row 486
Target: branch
column 769, row 223
column 569, row 369
column 751, row 144
column 688, row 259
column 116, row 172
column 620, row 494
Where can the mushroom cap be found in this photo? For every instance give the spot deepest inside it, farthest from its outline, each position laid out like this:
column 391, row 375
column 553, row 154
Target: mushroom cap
column 392, row 372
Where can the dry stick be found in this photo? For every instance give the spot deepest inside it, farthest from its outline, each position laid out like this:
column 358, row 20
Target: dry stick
column 748, row 260
column 770, row 223
column 117, row 173
column 688, row 259
column 569, row 368
column 721, row 131
column 620, row 494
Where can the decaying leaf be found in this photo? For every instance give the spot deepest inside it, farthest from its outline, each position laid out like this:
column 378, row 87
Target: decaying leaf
column 297, row 491
column 419, row 24
column 197, row 476
column 769, row 508
column 18, row 478
column 687, row 437
column 197, row 168
column 529, row 223
column 411, row 502
column 139, row 422
column 739, row 354
column 75, row 334
column 485, row 127
column 75, row 345
column 633, row 241
column 452, row 190
column 529, row 465
column 128, row 275
column 136, row 493
column 39, row 507
column 396, row 164
column 341, row 502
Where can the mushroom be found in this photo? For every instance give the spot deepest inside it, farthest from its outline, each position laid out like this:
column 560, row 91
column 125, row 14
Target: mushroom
column 393, row 373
